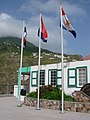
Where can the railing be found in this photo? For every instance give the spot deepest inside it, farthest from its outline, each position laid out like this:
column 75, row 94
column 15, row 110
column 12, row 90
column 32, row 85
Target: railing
column 85, row 94
column 6, row 89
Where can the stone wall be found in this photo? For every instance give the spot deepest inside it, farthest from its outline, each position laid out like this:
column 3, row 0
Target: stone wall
column 77, row 106
column 79, row 96
column 56, row 105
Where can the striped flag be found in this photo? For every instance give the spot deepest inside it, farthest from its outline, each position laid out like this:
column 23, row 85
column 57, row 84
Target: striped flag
column 44, row 34
column 66, row 24
column 24, row 37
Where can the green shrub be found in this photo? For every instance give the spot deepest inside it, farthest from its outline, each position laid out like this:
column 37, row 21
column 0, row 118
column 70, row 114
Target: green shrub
column 32, row 94
column 68, row 98
column 50, row 93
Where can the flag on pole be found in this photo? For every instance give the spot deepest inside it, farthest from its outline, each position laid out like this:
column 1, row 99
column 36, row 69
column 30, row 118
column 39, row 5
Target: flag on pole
column 44, row 34
column 24, row 37
column 66, row 24
column 23, row 44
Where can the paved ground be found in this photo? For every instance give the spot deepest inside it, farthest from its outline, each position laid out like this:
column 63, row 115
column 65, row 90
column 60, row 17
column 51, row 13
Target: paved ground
column 10, row 111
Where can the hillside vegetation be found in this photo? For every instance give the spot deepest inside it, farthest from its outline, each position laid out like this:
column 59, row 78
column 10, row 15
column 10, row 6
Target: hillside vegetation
column 10, row 58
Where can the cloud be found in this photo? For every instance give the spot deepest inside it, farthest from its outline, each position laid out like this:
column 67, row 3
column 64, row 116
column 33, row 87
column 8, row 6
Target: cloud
column 74, row 9
column 52, row 7
column 12, row 26
column 9, row 26
column 48, row 11
column 34, row 7
column 51, row 18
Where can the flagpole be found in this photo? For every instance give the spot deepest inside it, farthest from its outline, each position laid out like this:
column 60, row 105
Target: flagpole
column 19, row 86
column 38, row 95
column 62, row 61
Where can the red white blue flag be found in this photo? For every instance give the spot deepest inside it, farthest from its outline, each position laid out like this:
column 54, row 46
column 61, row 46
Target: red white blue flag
column 44, row 34
column 24, row 37
column 66, row 24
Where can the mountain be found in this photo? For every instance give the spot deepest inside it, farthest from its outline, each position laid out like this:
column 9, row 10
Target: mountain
column 13, row 44
column 10, row 59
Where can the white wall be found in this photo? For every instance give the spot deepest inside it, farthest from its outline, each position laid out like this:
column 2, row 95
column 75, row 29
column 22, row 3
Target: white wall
column 72, row 65
column 58, row 66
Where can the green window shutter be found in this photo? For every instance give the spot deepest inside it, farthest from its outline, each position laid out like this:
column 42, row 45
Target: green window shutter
column 59, row 78
column 34, row 80
column 72, row 77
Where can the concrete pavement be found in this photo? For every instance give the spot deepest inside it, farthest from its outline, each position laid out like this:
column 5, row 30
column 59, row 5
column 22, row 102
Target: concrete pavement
column 10, row 111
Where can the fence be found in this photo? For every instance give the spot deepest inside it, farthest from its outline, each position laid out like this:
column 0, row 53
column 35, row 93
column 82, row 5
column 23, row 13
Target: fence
column 6, row 89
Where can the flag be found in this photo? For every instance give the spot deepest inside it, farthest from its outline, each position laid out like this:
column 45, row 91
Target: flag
column 44, row 34
column 66, row 24
column 24, row 37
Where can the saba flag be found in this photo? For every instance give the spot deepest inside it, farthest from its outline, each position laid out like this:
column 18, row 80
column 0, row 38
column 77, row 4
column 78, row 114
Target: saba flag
column 66, row 24
column 24, row 37
column 44, row 34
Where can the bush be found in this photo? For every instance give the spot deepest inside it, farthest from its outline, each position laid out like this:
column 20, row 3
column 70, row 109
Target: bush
column 50, row 93
column 68, row 98
column 32, row 94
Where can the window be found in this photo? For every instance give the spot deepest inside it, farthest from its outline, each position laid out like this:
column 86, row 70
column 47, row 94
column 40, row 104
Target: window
column 82, row 76
column 34, row 81
column 53, row 77
column 42, row 77
column 77, row 77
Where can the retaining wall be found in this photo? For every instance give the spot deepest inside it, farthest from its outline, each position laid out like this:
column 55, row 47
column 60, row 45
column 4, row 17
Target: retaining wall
column 56, row 105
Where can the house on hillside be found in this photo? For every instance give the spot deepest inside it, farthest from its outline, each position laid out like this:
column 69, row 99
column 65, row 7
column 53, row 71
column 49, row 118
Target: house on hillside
column 76, row 74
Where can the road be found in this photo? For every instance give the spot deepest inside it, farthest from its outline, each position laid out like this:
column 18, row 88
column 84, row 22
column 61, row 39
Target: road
column 10, row 111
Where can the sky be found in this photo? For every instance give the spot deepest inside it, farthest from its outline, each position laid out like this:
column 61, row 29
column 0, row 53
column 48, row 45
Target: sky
column 14, row 12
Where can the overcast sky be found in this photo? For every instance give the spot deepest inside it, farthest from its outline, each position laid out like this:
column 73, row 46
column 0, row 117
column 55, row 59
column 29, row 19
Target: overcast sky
column 13, row 12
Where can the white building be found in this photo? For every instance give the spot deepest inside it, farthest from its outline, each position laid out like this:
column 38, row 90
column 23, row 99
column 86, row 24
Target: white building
column 76, row 74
